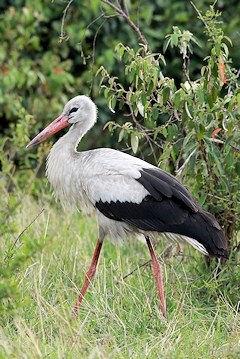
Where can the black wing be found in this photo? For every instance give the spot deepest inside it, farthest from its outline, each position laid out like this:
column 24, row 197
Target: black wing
column 169, row 207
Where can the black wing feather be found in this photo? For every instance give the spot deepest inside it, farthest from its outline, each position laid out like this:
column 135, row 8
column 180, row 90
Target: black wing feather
column 169, row 207
column 153, row 180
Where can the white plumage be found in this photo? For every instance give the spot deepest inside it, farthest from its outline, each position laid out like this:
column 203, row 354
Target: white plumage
column 129, row 196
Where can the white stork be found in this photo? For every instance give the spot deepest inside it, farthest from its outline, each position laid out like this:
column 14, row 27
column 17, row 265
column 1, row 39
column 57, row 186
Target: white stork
column 129, row 196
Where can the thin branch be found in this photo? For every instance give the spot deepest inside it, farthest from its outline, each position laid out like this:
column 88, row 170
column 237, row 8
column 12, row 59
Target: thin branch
column 94, row 40
column 179, row 171
column 164, row 254
column 125, row 15
column 199, row 14
column 94, row 48
column 138, row 267
column 62, row 34
column 220, row 198
column 235, row 148
column 137, row 13
column 201, row 17
column 24, row 230
column 125, row 8
column 186, row 66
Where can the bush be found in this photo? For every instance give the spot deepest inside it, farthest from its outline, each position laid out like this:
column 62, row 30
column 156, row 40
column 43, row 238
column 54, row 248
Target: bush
column 192, row 130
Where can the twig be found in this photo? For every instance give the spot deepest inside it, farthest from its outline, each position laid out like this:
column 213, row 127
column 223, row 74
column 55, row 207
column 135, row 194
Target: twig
column 235, row 148
column 124, row 13
column 179, row 171
column 125, row 7
column 95, row 37
column 201, row 17
column 94, row 48
column 186, row 65
column 162, row 255
column 24, row 230
column 62, row 34
column 199, row 14
column 138, row 267
column 220, row 198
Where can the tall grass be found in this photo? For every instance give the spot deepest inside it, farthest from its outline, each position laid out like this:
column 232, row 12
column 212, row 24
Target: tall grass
column 119, row 318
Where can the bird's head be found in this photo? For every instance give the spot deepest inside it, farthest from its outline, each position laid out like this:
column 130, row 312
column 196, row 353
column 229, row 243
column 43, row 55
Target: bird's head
column 79, row 111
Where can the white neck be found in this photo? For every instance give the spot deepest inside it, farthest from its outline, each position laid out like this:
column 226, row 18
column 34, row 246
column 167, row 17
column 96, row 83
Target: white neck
column 71, row 139
column 61, row 163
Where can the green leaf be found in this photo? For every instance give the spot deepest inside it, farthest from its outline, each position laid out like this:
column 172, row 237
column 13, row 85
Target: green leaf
column 165, row 94
column 112, row 103
column 217, row 48
column 202, row 199
column 188, row 111
column 165, row 132
column 228, row 140
column 143, row 98
column 174, row 38
column 200, row 132
column 196, row 40
column 224, row 46
column 172, row 132
column 214, row 94
column 106, row 92
column 166, row 44
column 228, row 39
column 201, row 95
column 134, row 142
column 190, row 135
column 176, row 100
column 121, row 51
column 155, row 113
column 121, row 134
column 156, row 132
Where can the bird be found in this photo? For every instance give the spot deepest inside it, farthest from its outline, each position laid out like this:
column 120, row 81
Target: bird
column 129, row 196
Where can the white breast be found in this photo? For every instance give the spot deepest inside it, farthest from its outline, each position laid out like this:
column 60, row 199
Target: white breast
column 64, row 174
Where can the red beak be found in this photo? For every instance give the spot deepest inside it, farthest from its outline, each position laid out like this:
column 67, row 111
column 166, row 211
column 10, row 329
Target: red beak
column 55, row 126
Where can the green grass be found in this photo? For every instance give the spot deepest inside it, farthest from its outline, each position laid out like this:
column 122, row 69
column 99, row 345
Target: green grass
column 119, row 318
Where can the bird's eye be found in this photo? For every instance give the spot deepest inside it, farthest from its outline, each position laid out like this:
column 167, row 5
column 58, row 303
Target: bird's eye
column 74, row 109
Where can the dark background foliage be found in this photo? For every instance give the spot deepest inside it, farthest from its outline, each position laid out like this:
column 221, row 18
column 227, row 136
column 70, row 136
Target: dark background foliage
column 44, row 72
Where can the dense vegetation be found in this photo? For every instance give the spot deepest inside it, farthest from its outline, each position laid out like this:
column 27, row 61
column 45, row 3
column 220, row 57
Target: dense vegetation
column 172, row 70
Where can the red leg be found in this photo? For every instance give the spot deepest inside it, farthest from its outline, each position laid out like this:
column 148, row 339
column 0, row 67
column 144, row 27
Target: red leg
column 157, row 271
column 89, row 275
